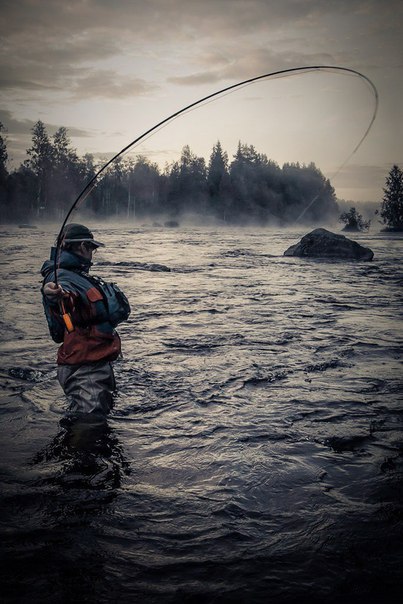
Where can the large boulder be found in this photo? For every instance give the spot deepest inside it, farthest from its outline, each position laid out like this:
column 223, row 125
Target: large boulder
column 321, row 243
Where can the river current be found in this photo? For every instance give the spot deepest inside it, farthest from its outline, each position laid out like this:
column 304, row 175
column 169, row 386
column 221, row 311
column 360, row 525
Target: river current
column 254, row 453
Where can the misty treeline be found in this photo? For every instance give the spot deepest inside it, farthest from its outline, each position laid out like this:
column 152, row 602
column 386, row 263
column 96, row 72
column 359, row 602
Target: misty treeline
column 249, row 188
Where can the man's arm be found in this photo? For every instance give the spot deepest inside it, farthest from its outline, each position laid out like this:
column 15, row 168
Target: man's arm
column 55, row 296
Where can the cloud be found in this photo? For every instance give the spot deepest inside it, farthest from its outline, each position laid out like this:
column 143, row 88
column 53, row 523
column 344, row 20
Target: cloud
column 157, row 20
column 152, row 19
column 17, row 126
column 206, row 77
column 14, row 126
column 108, row 84
column 253, row 62
column 70, row 76
column 73, row 82
column 50, row 46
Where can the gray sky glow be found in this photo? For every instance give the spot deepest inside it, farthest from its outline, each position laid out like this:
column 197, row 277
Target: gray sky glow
column 109, row 70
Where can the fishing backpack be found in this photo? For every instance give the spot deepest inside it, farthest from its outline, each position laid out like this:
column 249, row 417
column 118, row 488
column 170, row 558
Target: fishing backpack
column 116, row 303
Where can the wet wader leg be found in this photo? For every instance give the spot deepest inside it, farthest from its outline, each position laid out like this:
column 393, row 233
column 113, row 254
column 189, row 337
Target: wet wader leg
column 89, row 388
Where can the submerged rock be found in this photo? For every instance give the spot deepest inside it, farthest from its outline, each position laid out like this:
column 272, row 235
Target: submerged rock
column 321, row 243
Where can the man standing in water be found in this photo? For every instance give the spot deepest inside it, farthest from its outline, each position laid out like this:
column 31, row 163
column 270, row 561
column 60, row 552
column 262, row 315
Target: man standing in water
column 82, row 312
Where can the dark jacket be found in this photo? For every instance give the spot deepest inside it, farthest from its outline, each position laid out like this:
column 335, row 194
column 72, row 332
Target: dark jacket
column 94, row 338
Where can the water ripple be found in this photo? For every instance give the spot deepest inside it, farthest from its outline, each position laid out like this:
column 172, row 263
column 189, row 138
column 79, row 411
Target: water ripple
column 254, row 450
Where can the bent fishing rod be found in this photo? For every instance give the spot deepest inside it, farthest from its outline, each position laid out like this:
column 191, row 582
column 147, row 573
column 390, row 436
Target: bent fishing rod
column 282, row 72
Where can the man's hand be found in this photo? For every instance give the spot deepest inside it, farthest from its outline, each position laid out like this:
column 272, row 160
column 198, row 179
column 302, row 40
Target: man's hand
column 53, row 291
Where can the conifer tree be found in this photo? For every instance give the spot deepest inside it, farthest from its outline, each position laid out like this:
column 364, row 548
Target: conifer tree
column 67, row 173
column 3, row 155
column 392, row 203
column 3, row 174
column 41, row 162
column 218, row 182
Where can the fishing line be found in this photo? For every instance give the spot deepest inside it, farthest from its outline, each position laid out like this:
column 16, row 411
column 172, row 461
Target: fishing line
column 353, row 152
column 227, row 90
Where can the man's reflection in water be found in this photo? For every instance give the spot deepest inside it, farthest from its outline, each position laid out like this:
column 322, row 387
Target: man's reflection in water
column 86, row 453
column 81, row 471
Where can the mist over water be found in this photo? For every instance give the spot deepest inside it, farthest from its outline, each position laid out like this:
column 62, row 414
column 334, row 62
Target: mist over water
column 254, row 453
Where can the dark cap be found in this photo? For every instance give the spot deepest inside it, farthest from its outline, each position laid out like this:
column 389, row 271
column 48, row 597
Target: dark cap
column 74, row 233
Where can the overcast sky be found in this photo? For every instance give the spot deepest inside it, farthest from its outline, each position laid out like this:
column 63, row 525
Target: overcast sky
column 110, row 69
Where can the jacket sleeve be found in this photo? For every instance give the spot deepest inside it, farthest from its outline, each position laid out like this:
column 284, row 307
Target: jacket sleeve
column 72, row 303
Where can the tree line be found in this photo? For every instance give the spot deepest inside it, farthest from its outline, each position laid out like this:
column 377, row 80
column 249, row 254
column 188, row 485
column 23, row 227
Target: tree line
column 249, row 188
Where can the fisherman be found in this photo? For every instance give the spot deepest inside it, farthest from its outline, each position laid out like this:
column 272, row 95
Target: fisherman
column 82, row 312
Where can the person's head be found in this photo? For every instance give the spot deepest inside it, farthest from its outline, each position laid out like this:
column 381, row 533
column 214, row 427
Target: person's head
column 78, row 239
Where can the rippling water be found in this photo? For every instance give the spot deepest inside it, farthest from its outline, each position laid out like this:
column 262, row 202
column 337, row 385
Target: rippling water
column 254, row 453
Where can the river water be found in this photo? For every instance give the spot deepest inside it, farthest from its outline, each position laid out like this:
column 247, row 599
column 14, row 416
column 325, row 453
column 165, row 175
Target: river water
column 254, row 453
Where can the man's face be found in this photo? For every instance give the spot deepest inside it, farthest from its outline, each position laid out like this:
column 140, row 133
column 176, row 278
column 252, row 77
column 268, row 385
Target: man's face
column 86, row 250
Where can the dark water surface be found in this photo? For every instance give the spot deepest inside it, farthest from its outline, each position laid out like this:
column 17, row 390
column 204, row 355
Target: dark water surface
column 254, row 453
